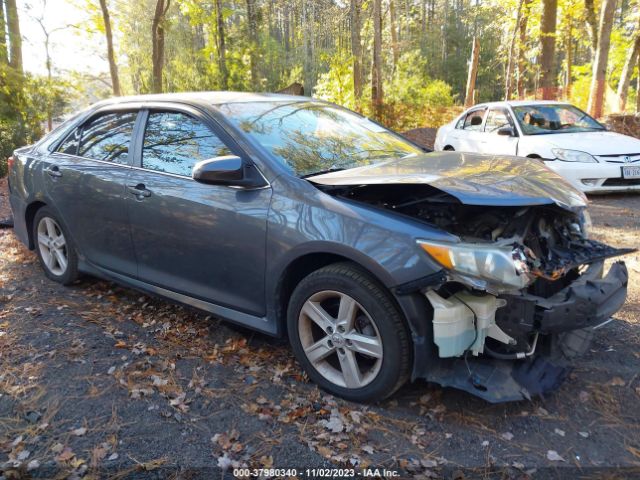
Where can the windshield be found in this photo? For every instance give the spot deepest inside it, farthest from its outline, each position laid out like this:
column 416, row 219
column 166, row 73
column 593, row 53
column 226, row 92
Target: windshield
column 549, row 118
column 313, row 137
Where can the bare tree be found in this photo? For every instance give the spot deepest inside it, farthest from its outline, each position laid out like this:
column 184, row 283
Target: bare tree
column 157, row 43
column 592, row 24
column 222, row 48
column 508, row 81
column 4, row 55
column 473, row 73
column 522, row 40
column 355, row 13
column 627, row 72
column 252, row 17
column 113, row 67
column 377, row 94
column 15, row 38
column 395, row 47
column 548, row 44
column 598, row 79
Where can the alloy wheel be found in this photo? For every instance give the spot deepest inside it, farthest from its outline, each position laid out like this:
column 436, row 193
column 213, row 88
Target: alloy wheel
column 340, row 339
column 53, row 246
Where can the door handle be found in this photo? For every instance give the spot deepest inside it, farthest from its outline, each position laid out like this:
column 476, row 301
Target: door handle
column 139, row 190
column 54, row 171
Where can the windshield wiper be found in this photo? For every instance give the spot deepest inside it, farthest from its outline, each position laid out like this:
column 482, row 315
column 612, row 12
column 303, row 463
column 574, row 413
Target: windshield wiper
column 322, row 172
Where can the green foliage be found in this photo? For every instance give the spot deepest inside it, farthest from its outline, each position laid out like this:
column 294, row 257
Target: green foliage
column 337, row 84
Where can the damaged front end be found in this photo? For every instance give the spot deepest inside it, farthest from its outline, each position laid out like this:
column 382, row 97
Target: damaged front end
column 518, row 297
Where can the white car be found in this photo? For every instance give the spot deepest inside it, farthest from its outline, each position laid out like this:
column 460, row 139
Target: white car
column 564, row 137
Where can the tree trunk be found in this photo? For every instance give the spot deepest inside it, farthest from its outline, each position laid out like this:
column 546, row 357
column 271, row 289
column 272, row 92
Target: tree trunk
column 599, row 75
column 395, row 47
column 548, row 44
column 592, row 24
column 627, row 72
column 522, row 60
column 473, row 73
column 508, row 81
column 377, row 94
column 157, row 40
column 356, row 49
column 569, row 59
column 113, row 68
column 222, row 49
column 4, row 56
column 15, row 39
column 638, row 89
column 252, row 23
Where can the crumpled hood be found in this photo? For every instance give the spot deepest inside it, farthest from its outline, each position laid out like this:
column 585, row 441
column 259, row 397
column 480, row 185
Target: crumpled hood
column 595, row 143
column 474, row 179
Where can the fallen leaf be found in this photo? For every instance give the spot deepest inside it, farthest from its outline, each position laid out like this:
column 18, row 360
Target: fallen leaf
column 78, row 432
column 583, row 396
column 554, row 456
column 66, row 455
column 559, row 432
column 583, row 434
column 485, row 443
column 33, row 465
column 507, row 436
column 113, row 456
column 617, row 382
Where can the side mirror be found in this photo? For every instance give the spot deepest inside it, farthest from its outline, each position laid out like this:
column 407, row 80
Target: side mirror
column 506, row 131
column 229, row 170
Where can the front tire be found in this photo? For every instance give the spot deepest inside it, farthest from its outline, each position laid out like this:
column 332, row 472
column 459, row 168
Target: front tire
column 348, row 335
column 56, row 251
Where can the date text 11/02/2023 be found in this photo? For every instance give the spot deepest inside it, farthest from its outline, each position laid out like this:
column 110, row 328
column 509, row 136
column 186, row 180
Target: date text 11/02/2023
column 315, row 473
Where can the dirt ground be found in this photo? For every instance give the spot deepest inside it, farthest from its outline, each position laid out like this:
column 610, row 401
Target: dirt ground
column 101, row 381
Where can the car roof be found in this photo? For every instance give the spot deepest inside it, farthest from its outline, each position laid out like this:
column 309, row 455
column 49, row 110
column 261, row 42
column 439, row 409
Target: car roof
column 211, row 98
column 515, row 103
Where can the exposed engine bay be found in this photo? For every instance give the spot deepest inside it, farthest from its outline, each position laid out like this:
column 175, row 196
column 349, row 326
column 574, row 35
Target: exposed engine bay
column 549, row 320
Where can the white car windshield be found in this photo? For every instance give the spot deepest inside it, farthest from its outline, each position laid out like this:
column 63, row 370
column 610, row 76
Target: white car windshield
column 552, row 118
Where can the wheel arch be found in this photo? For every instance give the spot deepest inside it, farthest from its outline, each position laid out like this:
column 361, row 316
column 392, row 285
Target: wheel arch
column 29, row 216
column 304, row 264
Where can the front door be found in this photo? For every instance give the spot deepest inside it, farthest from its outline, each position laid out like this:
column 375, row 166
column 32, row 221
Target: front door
column 491, row 141
column 86, row 178
column 200, row 240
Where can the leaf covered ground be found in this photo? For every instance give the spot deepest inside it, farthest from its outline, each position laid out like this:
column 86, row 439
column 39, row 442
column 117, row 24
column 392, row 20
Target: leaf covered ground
column 98, row 380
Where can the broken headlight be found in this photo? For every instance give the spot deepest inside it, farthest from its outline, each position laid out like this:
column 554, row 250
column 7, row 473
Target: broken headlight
column 489, row 267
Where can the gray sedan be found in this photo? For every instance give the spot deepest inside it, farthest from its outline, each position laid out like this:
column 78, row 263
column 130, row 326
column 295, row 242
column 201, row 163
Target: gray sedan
column 381, row 262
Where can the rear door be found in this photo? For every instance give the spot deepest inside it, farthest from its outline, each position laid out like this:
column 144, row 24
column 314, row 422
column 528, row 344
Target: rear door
column 491, row 142
column 469, row 131
column 86, row 178
column 205, row 241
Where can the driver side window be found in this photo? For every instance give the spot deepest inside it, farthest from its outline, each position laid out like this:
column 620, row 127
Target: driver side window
column 496, row 119
column 174, row 142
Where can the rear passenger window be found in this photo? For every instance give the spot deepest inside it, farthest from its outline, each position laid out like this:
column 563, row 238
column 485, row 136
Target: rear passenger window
column 174, row 142
column 107, row 137
column 70, row 144
column 473, row 121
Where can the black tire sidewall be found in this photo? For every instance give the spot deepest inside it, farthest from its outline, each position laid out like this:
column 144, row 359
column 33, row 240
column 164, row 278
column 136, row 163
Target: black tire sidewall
column 71, row 273
column 377, row 302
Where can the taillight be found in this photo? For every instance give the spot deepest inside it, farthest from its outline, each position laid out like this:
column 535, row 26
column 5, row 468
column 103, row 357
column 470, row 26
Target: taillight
column 10, row 161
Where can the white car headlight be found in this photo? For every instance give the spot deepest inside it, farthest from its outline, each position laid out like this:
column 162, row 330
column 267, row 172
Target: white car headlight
column 500, row 268
column 573, row 155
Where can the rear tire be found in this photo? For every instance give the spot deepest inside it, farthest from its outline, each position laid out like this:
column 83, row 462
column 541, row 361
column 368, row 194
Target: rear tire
column 56, row 251
column 348, row 335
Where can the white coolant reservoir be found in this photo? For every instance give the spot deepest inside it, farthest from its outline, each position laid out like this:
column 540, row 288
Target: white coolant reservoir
column 454, row 329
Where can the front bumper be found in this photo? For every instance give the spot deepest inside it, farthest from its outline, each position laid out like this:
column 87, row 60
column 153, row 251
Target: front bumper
column 586, row 303
column 601, row 177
